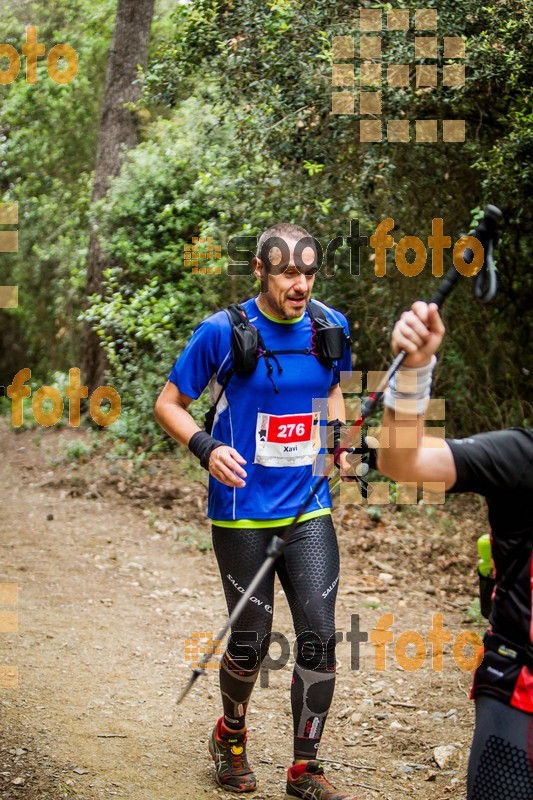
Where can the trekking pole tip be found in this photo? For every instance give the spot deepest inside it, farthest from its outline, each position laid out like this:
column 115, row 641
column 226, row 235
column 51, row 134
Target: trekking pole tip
column 192, row 680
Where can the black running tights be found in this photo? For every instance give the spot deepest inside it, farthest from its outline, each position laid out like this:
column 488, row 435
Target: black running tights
column 501, row 766
column 308, row 570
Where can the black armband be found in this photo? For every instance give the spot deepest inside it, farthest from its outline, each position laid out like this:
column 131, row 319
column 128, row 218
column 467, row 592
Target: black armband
column 202, row 445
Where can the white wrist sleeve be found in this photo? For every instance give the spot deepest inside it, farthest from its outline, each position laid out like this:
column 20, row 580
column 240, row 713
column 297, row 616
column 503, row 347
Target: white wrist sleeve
column 409, row 388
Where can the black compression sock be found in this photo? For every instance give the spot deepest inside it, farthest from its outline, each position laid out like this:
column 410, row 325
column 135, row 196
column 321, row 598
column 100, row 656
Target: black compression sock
column 236, row 687
column 311, row 696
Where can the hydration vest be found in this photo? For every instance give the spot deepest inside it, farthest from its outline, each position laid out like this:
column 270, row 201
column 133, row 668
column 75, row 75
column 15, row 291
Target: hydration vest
column 328, row 344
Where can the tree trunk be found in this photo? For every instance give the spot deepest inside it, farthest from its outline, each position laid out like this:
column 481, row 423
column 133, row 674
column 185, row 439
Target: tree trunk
column 118, row 133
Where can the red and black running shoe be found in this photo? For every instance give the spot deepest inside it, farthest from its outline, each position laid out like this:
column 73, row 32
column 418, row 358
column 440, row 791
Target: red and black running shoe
column 228, row 751
column 307, row 781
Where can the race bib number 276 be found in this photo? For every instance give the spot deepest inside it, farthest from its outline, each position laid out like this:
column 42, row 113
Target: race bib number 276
column 290, row 440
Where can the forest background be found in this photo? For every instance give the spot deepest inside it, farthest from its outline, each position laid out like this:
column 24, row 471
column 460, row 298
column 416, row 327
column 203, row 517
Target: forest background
column 233, row 131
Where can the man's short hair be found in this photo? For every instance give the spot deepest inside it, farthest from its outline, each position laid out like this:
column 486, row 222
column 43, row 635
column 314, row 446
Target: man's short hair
column 286, row 232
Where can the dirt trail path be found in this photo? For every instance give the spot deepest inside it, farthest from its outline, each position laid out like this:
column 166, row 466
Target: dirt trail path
column 107, row 599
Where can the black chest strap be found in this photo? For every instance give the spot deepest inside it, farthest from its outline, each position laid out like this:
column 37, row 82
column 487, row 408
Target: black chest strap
column 328, row 344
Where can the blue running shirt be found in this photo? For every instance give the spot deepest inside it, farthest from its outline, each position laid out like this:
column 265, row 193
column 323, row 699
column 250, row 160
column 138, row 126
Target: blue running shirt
column 269, row 428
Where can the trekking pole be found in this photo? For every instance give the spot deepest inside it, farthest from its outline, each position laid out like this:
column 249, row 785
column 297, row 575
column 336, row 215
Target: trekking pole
column 485, row 232
column 484, row 290
column 274, row 549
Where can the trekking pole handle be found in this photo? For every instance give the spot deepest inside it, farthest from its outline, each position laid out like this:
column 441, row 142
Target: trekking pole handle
column 446, row 285
column 485, row 233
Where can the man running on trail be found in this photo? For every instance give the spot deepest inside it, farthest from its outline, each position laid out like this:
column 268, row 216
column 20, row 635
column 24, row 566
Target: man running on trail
column 499, row 466
column 267, row 431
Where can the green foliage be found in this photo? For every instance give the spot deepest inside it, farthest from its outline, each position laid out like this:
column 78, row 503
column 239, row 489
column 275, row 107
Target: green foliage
column 301, row 163
column 189, row 178
column 285, row 105
column 473, row 615
column 77, row 450
column 238, row 134
column 47, row 150
column 166, row 194
column 189, row 535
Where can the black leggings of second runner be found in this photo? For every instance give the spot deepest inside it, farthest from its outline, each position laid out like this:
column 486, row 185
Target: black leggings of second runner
column 501, row 765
